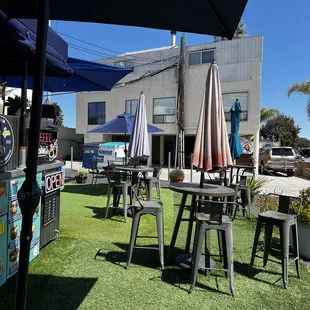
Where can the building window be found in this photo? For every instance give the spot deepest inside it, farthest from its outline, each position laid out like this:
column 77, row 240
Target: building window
column 164, row 110
column 130, row 63
column 201, row 57
column 228, row 101
column 96, row 113
column 131, row 106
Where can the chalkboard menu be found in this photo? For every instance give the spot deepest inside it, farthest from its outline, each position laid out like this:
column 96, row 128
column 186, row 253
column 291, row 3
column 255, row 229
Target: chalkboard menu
column 48, row 147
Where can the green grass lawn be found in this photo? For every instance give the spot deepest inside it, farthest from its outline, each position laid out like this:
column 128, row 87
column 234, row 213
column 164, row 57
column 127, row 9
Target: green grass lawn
column 84, row 267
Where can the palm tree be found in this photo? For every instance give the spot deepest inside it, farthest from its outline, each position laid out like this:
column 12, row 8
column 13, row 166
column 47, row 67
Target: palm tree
column 266, row 114
column 303, row 88
column 240, row 32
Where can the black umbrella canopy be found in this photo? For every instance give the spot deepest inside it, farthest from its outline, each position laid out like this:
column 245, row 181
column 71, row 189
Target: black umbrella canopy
column 213, row 17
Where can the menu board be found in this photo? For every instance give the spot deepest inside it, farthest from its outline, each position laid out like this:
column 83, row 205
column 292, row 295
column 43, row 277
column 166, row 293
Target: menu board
column 4, row 201
column 3, row 248
column 15, row 225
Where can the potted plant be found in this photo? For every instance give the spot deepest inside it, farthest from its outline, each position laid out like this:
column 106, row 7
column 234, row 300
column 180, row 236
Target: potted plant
column 81, row 176
column 176, row 175
column 303, row 223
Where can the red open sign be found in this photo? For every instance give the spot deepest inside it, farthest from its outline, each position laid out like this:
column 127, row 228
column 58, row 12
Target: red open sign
column 54, row 181
column 46, row 137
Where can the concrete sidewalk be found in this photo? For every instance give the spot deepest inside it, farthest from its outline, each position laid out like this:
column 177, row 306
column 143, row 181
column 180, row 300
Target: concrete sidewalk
column 275, row 183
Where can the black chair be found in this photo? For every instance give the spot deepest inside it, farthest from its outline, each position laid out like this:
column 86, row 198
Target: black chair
column 118, row 184
column 218, row 215
column 245, row 193
column 139, row 209
column 286, row 221
column 96, row 173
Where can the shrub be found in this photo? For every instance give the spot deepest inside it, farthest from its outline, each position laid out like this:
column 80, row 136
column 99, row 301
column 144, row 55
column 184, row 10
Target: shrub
column 82, row 173
column 304, row 215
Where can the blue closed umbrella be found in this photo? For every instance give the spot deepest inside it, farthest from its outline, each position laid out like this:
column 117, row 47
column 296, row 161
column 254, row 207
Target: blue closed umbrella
column 234, row 140
column 87, row 76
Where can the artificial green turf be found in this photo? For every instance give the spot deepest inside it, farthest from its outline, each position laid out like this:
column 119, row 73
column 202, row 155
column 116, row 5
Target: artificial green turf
column 84, row 267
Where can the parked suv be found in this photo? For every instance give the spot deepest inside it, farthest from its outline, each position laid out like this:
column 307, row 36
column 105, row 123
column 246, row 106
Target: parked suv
column 305, row 153
column 278, row 159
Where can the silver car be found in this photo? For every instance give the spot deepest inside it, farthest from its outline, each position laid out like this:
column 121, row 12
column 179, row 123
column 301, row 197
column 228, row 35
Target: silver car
column 278, row 159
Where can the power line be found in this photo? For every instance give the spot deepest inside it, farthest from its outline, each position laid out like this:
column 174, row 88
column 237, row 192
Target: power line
column 104, row 48
column 84, row 49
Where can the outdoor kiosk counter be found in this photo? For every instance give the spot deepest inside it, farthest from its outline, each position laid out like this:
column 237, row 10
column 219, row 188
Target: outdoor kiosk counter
column 50, row 177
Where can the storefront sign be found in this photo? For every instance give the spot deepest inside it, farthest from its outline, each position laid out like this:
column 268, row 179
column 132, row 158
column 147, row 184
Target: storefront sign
column 48, row 149
column 54, row 181
column 6, row 141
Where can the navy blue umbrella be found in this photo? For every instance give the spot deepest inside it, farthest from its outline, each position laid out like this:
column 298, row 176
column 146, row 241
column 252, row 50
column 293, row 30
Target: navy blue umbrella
column 123, row 123
column 87, row 76
column 234, row 140
column 18, row 44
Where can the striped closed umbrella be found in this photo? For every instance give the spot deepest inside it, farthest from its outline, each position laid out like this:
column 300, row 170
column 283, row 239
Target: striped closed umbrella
column 139, row 147
column 211, row 150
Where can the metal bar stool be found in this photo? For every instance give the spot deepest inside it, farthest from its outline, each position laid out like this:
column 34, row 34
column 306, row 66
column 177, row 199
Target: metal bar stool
column 117, row 183
column 142, row 208
column 213, row 219
column 285, row 222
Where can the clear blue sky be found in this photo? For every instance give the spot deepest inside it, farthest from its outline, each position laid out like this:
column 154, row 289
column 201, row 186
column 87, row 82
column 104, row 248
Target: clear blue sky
column 285, row 28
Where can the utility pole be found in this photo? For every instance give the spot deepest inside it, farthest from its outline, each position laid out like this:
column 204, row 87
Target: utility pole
column 181, row 102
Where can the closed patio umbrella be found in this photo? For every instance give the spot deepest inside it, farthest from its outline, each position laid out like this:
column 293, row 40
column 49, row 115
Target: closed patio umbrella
column 211, row 150
column 234, row 140
column 139, row 147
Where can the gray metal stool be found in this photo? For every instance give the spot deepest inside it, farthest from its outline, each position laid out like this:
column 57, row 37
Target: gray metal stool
column 142, row 208
column 285, row 222
column 245, row 193
column 118, row 183
column 214, row 219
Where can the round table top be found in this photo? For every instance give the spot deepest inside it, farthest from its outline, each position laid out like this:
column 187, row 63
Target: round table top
column 135, row 169
column 243, row 167
column 207, row 190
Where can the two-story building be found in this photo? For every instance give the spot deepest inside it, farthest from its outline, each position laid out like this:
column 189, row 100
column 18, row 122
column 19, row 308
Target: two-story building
column 156, row 74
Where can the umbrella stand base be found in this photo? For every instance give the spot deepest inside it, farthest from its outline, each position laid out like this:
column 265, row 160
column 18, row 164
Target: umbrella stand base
column 185, row 262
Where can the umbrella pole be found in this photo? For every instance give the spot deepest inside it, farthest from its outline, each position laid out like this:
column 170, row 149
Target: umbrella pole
column 125, row 151
column 202, row 177
column 22, row 129
column 30, row 192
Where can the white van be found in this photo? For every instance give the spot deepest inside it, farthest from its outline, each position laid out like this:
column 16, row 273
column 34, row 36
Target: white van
column 111, row 151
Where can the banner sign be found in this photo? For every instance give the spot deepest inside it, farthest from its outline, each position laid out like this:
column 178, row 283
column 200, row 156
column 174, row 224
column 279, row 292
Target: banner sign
column 48, row 147
column 6, row 141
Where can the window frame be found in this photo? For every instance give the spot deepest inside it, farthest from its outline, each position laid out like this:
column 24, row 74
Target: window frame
column 243, row 111
column 200, row 58
column 131, row 105
column 105, row 113
column 163, row 115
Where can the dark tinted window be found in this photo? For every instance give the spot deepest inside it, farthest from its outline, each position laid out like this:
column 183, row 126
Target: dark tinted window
column 282, row 152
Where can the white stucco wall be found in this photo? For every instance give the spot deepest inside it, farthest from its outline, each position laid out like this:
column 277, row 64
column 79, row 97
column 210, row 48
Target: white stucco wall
column 239, row 63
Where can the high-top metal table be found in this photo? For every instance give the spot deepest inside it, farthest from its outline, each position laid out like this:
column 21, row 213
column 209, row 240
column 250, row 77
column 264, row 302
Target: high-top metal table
column 245, row 168
column 193, row 189
column 134, row 174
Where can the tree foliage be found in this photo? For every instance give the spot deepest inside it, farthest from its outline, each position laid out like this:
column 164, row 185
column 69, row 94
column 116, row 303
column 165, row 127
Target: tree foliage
column 266, row 114
column 60, row 116
column 281, row 128
column 303, row 88
column 302, row 143
column 240, row 32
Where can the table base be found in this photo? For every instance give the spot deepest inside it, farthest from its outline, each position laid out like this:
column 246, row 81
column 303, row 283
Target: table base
column 185, row 261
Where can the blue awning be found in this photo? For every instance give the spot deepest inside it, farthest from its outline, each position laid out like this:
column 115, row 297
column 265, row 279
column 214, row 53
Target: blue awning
column 18, row 44
column 87, row 76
